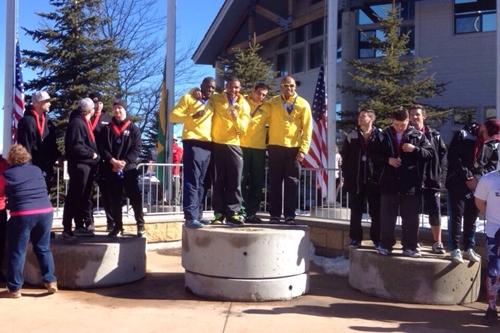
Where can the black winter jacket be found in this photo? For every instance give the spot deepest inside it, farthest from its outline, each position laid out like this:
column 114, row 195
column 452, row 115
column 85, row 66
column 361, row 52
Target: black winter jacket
column 408, row 178
column 434, row 167
column 78, row 144
column 43, row 149
column 460, row 161
column 487, row 159
column 125, row 147
column 358, row 168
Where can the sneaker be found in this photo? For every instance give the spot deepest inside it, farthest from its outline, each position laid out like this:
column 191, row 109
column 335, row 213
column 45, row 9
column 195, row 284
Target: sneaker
column 51, row 287
column 490, row 317
column 236, row 219
column 412, row 253
column 290, row 220
column 472, row 256
column 140, row 230
column 354, row 244
column 68, row 235
column 274, row 220
column 205, row 222
column 218, row 219
column 456, row 256
column 253, row 219
column 383, row 251
column 438, row 248
column 193, row 224
column 116, row 230
column 109, row 227
column 11, row 294
column 376, row 245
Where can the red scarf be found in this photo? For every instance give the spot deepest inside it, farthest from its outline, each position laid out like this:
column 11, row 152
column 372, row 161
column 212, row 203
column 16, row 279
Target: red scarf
column 90, row 129
column 118, row 129
column 398, row 148
column 95, row 120
column 40, row 123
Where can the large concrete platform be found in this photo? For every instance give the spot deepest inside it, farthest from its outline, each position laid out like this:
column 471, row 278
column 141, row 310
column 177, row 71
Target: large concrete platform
column 432, row 279
column 92, row 262
column 247, row 263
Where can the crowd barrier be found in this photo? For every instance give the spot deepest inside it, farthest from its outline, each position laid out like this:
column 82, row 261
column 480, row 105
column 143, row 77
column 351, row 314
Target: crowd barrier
column 321, row 194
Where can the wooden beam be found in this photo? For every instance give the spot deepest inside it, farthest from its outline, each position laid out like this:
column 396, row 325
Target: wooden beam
column 298, row 22
column 264, row 12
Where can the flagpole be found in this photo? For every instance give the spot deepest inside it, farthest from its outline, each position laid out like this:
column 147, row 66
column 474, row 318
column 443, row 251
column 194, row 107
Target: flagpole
column 331, row 81
column 170, row 73
column 10, row 42
column 498, row 60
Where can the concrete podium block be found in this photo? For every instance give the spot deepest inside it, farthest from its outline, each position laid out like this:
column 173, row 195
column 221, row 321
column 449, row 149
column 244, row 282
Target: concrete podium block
column 92, row 262
column 253, row 263
column 427, row 280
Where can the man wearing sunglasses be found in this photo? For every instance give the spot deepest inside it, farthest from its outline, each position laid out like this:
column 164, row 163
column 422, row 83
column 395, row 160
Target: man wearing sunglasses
column 290, row 131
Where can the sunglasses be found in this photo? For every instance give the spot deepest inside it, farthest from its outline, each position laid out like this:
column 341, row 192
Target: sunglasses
column 286, row 85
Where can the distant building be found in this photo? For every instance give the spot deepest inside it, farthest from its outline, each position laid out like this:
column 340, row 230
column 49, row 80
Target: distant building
column 460, row 36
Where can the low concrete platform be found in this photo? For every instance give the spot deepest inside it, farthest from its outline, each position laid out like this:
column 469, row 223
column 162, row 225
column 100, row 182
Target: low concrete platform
column 92, row 262
column 432, row 279
column 247, row 263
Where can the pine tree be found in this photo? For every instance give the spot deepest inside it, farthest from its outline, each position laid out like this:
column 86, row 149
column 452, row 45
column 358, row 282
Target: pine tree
column 75, row 60
column 248, row 66
column 395, row 79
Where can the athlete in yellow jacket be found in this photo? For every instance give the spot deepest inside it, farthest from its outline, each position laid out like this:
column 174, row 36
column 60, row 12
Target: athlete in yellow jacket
column 231, row 114
column 196, row 118
column 290, row 131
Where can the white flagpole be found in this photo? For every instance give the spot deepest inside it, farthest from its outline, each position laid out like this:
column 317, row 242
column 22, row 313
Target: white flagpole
column 10, row 47
column 498, row 60
column 170, row 72
column 331, row 81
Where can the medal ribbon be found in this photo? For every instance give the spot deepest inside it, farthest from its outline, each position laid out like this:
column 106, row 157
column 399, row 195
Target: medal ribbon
column 289, row 107
column 397, row 147
column 95, row 120
column 120, row 128
column 40, row 122
column 90, row 129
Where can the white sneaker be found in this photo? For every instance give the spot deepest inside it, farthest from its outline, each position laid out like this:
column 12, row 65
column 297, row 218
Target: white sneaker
column 472, row 256
column 412, row 253
column 438, row 248
column 456, row 256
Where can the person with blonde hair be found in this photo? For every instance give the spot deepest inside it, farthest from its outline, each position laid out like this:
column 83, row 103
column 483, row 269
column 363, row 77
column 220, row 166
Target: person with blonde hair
column 30, row 219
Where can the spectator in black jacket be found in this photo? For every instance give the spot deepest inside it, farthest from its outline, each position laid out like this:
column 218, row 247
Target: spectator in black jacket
column 120, row 149
column 360, row 177
column 81, row 153
column 38, row 135
column 431, row 194
column 486, row 155
column 99, row 121
column 402, row 155
column 461, row 182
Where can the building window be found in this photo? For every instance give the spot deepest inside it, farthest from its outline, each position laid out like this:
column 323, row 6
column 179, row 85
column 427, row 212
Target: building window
column 490, row 112
column 298, row 60
column 299, row 35
column 282, row 64
column 365, row 49
column 315, row 54
column 316, row 28
column 475, row 16
column 371, row 14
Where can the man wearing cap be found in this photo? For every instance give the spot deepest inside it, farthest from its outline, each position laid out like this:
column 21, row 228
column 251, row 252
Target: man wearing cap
column 120, row 149
column 81, row 153
column 196, row 140
column 290, row 132
column 38, row 135
column 230, row 121
column 99, row 121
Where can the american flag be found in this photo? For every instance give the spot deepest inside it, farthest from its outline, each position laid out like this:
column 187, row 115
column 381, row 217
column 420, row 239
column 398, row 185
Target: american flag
column 18, row 106
column 318, row 154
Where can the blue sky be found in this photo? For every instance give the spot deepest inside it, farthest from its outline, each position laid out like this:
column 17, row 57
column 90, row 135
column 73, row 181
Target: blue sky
column 193, row 20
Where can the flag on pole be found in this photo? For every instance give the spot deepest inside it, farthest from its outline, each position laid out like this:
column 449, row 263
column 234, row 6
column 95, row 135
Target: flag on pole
column 18, row 95
column 317, row 157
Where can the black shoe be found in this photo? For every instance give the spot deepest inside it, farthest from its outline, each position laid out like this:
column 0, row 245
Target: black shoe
column 274, row 220
column 68, row 235
column 253, row 219
column 236, row 219
column 290, row 220
column 140, row 230
column 109, row 228
column 490, row 317
column 354, row 244
column 115, row 232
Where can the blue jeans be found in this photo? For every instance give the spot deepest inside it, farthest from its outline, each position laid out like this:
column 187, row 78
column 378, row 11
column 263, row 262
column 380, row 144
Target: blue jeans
column 19, row 231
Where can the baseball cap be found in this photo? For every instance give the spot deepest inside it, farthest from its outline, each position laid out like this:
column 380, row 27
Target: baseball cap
column 39, row 96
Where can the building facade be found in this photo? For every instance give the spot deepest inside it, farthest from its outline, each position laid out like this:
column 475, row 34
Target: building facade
column 459, row 36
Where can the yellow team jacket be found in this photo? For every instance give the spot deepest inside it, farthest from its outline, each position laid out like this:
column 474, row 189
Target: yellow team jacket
column 225, row 129
column 289, row 130
column 255, row 136
column 196, row 129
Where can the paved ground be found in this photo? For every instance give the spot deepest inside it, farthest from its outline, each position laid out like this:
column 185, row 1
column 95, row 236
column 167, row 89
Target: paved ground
column 159, row 303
